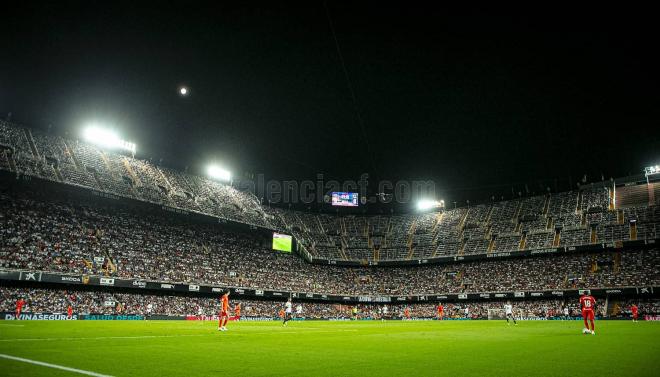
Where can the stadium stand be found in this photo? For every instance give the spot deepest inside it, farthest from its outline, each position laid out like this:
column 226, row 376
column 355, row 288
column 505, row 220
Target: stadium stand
column 578, row 217
column 85, row 237
column 84, row 302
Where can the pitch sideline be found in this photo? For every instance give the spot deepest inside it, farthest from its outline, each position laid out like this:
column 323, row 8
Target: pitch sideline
column 54, row 366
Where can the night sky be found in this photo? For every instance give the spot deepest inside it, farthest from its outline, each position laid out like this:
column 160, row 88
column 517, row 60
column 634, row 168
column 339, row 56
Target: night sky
column 476, row 109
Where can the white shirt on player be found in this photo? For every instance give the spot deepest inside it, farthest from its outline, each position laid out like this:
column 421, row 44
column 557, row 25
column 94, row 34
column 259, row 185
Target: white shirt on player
column 508, row 309
column 384, row 309
column 299, row 309
column 150, row 307
column 288, row 306
column 566, row 311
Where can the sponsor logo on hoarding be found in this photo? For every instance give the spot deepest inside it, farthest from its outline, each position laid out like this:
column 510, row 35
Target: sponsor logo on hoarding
column 73, row 279
column 239, row 291
column 309, row 295
column 497, row 255
column 401, row 299
column 500, row 295
column 536, row 294
column 558, row 293
column 346, row 298
column 324, row 296
column 167, row 286
column 139, row 283
column 110, row 317
column 543, row 251
column 259, row 292
column 645, row 290
column 518, row 294
column 462, row 296
column 440, row 297
column 193, row 288
column 220, row 290
column 422, row 298
column 613, row 291
column 107, row 281
column 41, row 317
column 484, row 295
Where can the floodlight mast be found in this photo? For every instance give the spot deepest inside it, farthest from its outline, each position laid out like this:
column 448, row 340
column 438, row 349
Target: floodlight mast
column 426, row 204
column 651, row 171
column 107, row 139
column 218, row 173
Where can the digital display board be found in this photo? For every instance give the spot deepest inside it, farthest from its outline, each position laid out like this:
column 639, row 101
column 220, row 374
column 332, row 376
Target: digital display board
column 282, row 242
column 345, row 199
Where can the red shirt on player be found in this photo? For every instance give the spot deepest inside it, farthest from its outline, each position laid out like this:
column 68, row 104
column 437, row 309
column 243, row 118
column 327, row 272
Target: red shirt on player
column 588, row 303
column 20, row 303
column 225, row 303
column 634, row 310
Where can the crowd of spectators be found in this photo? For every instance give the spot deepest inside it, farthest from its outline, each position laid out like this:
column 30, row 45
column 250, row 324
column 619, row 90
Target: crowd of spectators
column 82, row 236
column 99, row 302
column 500, row 226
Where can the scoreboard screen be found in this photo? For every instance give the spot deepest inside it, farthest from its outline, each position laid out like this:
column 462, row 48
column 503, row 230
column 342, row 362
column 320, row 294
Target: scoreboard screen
column 282, row 242
column 345, row 199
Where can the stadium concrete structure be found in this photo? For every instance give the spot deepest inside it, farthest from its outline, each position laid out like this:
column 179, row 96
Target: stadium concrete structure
column 605, row 235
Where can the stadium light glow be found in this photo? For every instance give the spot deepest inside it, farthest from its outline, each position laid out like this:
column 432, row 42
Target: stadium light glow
column 425, row 204
column 183, row 91
column 218, row 173
column 651, row 170
column 107, row 138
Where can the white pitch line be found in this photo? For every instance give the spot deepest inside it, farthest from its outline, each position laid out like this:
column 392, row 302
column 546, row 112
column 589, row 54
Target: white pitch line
column 7, row 324
column 54, row 366
column 100, row 338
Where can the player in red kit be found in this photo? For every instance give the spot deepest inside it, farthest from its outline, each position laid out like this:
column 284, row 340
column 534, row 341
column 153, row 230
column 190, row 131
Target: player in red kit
column 441, row 312
column 634, row 311
column 588, row 304
column 224, row 312
column 406, row 313
column 19, row 306
column 69, row 312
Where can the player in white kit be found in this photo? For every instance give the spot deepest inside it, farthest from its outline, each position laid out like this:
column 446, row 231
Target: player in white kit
column 508, row 311
column 288, row 309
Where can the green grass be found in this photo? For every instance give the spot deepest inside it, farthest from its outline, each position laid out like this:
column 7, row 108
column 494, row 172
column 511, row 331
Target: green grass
column 456, row 348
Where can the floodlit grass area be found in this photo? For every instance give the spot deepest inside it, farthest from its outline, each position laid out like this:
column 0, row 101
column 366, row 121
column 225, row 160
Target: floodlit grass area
column 316, row 348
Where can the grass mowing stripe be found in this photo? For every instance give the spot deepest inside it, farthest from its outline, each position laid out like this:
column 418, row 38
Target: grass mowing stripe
column 54, row 366
column 101, row 337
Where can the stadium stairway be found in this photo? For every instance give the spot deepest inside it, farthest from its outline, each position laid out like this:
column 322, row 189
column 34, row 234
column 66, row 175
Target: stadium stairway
column 130, row 171
column 613, row 307
column 33, row 147
column 73, row 156
column 546, row 205
column 523, row 241
column 594, row 235
column 557, row 239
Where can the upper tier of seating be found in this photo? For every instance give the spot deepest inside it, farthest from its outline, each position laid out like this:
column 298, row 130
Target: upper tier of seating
column 564, row 219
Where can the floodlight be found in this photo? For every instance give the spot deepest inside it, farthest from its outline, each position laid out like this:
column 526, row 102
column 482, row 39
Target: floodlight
column 183, row 90
column 652, row 170
column 219, row 173
column 106, row 138
column 425, row 204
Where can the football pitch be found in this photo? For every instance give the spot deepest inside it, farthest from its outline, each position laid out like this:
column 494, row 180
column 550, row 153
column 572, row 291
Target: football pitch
column 322, row 348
